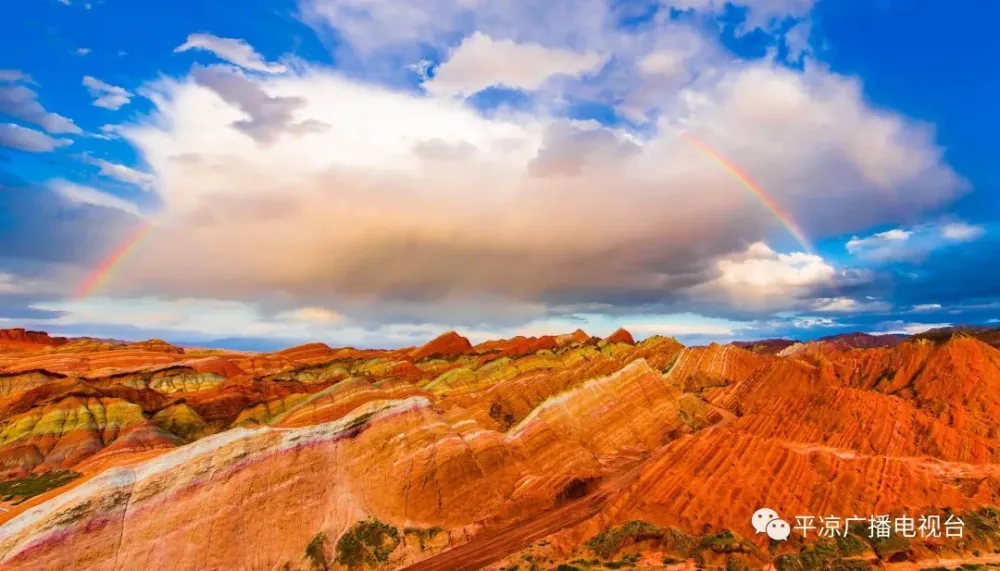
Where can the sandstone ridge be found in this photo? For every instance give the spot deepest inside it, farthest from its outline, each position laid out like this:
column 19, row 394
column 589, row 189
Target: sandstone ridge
column 146, row 455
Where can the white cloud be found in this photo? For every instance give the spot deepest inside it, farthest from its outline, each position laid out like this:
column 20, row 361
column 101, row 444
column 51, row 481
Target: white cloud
column 762, row 269
column 716, row 328
column 797, row 40
column 105, row 95
column 9, row 285
column 849, row 305
column 23, row 139
column 421, row 68
column 234, row 50
column 904, row 328
column 85, row 195
column 669, row 63
column 895, row 235
column 107, row 133
column 316, row 315
column 762, row 280
column 922, row 307
column 480, row 62
column 373, row 25
column 760, row 13
column 123, row 173
column 913, row 244
column 418, row 227
column 195, row 319
column 330, row 191
column 14, row 76
column 809, row 322
column 962, row 232
column 22, row 103
column 83, row 51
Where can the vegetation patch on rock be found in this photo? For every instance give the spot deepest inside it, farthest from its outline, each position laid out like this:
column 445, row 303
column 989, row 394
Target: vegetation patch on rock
column 316, row 552
column 367, row 543
column 24, row 489
column 607, row 543
column 423, row 535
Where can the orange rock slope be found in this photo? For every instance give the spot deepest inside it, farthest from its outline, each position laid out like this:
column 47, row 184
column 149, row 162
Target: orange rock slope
column 453, row 456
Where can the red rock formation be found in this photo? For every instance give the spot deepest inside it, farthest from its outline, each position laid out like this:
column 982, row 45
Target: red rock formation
column 516, row 346
column 309, row 352
column 221, row 460
column 862, row 340
column 577, row 337
column 621, row 336
column 449, row 344
column 17, row 339
column 156, row 345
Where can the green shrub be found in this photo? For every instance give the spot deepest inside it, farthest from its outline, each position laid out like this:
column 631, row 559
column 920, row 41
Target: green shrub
column 368, row 542
column 850, row 544
column 422, row 534
column 724, row 542
column 316, row 552
column 607, row 543
column 849, row 565
column 735, row 563
column 893, row 548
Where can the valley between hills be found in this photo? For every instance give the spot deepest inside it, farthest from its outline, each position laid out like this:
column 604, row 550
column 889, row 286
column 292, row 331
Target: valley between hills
column 557, row 452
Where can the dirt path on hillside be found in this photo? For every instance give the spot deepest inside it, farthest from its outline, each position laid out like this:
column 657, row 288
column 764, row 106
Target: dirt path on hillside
column 494, row 546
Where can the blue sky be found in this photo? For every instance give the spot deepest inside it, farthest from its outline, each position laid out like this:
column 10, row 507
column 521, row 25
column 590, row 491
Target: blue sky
column 356, row 173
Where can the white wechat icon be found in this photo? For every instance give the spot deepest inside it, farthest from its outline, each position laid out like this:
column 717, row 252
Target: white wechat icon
column 778, row 530
column 766, row 520
column 761, row 518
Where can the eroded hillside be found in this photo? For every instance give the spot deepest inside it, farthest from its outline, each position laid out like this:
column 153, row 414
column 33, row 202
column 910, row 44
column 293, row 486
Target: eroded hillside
column 529, row 452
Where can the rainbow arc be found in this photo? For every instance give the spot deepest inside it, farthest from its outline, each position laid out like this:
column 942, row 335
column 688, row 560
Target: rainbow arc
column 765, row 198
column 103, row 272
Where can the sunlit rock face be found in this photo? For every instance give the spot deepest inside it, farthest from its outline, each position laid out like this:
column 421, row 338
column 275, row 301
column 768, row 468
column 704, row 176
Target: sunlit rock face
column 149, row 456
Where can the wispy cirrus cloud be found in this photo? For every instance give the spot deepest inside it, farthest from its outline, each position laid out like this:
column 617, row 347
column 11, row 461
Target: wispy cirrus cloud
column 29, row 140
column 105, row 95
column 913, row 244
column 122, row 173
column 85, row 195
column 233, row 50
column 21, row 102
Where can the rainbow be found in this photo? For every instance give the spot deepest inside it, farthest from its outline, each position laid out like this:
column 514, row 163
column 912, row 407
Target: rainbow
column 779, row 212
column 103, row 271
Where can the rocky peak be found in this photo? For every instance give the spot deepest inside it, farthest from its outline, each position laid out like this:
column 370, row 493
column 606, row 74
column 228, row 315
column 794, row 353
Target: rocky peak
column 621, row 336
column 446, row 345
column 19, row 335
